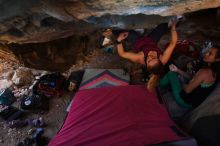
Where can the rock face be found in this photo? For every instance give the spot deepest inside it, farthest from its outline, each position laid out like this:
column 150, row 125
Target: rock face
column 53, row 34
column 22, row 76
column 57, row 55
column 26, row 21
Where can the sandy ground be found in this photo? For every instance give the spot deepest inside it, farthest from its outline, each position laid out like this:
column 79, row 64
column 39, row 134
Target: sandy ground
column 95, row 59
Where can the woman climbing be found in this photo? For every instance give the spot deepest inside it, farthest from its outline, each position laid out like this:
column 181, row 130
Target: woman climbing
column 146, row 51
column 200, row 86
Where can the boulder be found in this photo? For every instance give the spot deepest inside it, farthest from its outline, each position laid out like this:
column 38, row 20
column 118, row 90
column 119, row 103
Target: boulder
column 22, row 76
column 5, row 84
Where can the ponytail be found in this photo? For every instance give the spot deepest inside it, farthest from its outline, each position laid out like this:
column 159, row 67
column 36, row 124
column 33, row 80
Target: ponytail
column 156, row 71
column 153, row 82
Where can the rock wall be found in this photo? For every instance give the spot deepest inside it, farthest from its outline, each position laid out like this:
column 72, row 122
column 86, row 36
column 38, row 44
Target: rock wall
column 31, row 21
column 7, row 54
column 52, row 35
column 57, row 55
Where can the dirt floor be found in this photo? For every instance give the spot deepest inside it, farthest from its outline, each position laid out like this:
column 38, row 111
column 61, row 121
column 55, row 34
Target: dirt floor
column 94, row 59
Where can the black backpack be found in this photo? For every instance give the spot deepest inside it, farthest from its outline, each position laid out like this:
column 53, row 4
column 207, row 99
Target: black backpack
column 34, row 102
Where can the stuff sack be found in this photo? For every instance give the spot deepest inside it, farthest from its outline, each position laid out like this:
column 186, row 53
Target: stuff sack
column 50, row 85
column 34, row 102
column 7, row 97
column 187, row 48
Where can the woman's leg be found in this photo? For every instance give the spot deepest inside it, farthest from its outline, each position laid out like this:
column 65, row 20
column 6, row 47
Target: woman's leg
column 155, row 34
column 164, row 81
column 133, row 36
column 171, row 79
column 158, row 32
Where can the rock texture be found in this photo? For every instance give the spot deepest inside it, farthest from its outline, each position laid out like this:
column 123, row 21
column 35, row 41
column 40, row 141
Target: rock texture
column 53, row 34
column 60, row 54
column 7, row 54
column 26, row 21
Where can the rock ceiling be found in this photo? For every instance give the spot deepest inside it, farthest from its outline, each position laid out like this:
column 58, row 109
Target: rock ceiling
column 25, row 21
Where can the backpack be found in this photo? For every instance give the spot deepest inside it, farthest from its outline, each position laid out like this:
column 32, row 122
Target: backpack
column 187, row 48
column 34, row 102
column 7, row 97
column 50, row 85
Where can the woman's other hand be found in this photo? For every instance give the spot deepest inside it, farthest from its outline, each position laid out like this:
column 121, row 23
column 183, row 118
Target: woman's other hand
column 173, row 68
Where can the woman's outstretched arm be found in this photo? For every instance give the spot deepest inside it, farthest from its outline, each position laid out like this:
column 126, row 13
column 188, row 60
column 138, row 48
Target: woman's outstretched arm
column 169, row 50
column 134, row 57
column 196, row 81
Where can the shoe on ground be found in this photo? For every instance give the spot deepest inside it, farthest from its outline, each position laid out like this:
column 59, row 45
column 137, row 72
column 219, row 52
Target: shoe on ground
column 16, row 124
column 39, row 122
column 106, row 41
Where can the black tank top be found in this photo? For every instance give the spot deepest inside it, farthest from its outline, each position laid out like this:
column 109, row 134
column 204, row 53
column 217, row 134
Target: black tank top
column 197, row 96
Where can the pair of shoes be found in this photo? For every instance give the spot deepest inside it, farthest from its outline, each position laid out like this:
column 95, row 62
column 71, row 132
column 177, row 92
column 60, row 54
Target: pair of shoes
column 106, row 41
column 175, row 20
column 38, row 138
column 21, row 123
column 37, row 133
column 107, row 37
column 35, row 122
column 16, row 124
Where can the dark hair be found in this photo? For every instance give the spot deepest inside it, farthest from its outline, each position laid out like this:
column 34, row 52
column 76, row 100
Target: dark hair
column 218, row 50
column 215, row 66
column 156, row 69
column 215, row 69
